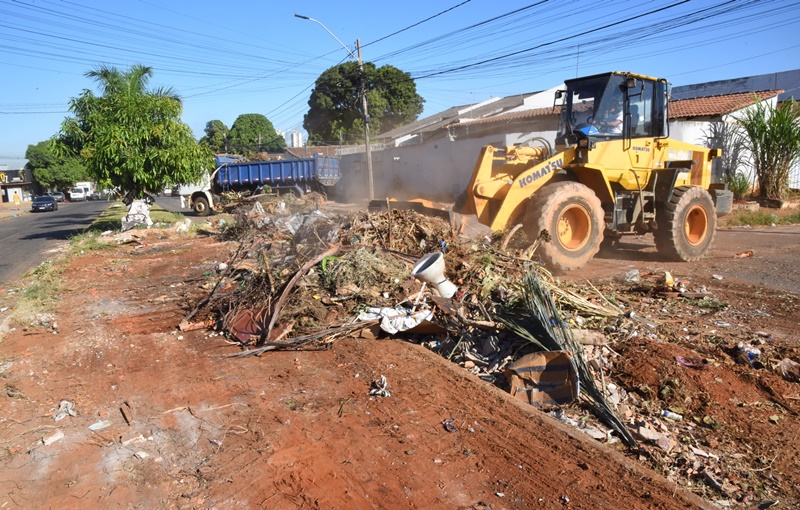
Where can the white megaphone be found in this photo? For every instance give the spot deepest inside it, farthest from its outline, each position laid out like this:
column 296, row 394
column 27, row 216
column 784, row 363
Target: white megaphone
column 430, row 269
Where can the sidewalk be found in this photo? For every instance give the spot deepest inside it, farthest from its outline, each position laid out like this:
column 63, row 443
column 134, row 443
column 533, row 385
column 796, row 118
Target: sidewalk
column 11, row 210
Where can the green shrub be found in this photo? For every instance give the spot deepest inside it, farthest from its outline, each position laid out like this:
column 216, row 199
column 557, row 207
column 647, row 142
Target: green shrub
column 739, row 184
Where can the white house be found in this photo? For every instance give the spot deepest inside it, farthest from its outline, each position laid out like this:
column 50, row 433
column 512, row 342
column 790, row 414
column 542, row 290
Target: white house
column 693, row 120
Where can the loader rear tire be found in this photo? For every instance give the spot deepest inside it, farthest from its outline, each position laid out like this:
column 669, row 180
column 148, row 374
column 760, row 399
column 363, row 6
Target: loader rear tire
column 573, row 215
column 200, row 206
column 686, row 224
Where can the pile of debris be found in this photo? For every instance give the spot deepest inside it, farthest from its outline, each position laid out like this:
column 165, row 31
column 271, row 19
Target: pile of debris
column 302, row 277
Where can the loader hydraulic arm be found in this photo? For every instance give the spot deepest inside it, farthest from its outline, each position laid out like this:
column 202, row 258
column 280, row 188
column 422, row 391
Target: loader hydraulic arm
column 504, row 178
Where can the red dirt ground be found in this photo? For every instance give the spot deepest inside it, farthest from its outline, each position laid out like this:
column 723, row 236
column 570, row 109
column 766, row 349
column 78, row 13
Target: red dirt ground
column 190, row 428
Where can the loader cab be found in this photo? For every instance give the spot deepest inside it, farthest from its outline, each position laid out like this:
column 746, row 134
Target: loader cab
column 611, row 106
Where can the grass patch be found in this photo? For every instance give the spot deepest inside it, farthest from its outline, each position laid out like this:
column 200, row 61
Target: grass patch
column 111, row 218
column 740, row 218
column 40, row 295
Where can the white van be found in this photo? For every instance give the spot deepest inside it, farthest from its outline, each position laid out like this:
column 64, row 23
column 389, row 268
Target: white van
column 77, row 195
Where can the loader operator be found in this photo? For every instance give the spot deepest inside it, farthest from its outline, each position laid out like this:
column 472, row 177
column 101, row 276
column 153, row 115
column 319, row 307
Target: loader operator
column 610, row 121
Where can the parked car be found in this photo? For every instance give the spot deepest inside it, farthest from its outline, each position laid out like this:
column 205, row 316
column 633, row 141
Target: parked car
column 77, row 195
column 94, row 195
column 58, row 196
column 44, row 203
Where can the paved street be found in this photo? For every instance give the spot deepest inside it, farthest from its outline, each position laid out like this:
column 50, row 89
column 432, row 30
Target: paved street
column 25, row 237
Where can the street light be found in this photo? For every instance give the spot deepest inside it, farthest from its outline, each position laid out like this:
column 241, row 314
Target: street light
column 363, row 98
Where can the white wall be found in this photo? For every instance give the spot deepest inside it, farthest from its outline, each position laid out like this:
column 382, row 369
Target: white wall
column 437, row 170
column 694, row 131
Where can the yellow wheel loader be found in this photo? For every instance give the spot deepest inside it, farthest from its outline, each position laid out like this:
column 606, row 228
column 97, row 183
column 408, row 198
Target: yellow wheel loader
column 614, row 171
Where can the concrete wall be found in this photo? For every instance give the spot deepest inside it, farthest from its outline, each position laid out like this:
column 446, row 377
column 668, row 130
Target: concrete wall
column 437, row 170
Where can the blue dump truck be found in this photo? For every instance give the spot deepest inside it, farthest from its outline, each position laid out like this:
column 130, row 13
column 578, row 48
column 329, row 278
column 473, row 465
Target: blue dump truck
column 298, row 176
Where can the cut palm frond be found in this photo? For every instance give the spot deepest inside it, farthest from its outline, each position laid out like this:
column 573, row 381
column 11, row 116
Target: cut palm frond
column 537, row 319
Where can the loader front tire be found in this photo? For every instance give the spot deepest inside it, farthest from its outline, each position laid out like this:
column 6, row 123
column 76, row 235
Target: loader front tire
column 200, row 206
column 686, row 224
column 573, row 215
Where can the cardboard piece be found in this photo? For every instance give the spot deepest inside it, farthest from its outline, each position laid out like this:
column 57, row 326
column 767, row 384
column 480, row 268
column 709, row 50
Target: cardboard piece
column 544, row 378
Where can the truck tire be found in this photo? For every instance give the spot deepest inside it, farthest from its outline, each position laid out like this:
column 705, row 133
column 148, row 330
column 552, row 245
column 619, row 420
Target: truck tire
column 686, row 224
column 573, row 215
column 200, row 206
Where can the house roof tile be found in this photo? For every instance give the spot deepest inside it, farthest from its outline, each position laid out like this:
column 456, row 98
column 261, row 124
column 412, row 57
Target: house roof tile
column 717, row 105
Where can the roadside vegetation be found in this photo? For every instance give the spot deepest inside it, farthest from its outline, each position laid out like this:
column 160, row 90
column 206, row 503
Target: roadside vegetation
column 35, row 300
column 760, row 217
column 771, row 135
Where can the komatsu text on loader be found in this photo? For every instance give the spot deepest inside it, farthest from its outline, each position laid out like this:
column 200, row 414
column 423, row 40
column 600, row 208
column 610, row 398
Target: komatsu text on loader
column 614, row 171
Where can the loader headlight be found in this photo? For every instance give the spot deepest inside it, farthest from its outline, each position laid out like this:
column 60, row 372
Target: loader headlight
column 585, row 143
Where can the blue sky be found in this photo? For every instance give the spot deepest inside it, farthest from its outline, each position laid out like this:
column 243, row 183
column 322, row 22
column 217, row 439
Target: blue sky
column 230, row 58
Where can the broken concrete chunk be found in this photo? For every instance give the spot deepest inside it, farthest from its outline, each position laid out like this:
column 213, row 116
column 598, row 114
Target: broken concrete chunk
column 100, row 425
column 589, row 337
column 52, row 438
column 649, row 434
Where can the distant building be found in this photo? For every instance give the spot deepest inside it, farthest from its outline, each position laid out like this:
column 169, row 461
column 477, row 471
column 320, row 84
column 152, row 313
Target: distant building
column 297, row 139
column 16, row 183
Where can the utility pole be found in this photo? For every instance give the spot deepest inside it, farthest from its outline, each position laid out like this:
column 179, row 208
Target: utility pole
column 363, row 99
column 366, row 120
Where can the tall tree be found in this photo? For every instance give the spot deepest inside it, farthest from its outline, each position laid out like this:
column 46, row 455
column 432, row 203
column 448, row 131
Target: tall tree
column 216, row 137
column 53, row 172
column 252, row 133
column 130, row 136
column 335, row 106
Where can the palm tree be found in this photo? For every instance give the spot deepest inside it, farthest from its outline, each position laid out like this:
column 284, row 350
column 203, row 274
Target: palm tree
column 130, row 83
column 131, row 136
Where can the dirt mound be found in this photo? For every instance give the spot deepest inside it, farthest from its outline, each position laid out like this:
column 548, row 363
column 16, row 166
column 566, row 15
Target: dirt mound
column 163, row 418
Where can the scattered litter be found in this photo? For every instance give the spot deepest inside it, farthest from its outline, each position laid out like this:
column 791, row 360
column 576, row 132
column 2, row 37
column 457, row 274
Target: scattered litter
column 691, row 362
column 127, row 412
column 100, row 425
column 449, row 425
column 671, row 416
column 379, row 387
column 788, row 369
column 744, row 254
column 395, row 320
column 138, row 214
column 52, row 438
column 631, row 276
column 139, row 438
column 748, row 353
column 716, row 276
column 141, row 454
column 65, row 409
column 544, row 378
column 703, row 453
